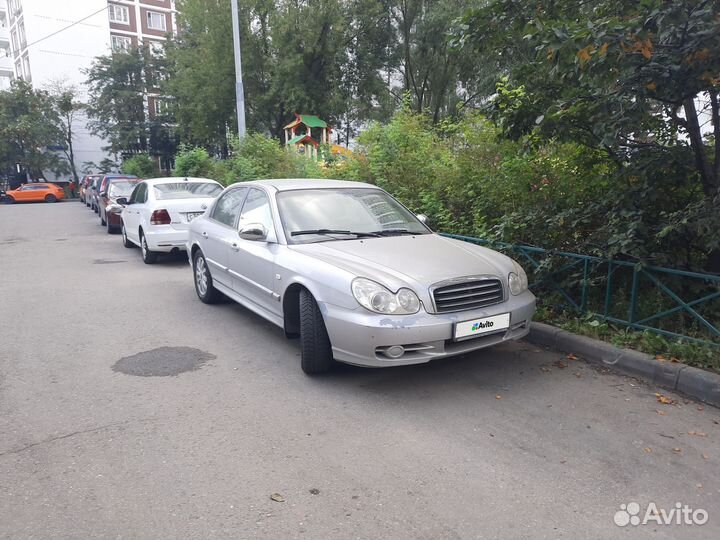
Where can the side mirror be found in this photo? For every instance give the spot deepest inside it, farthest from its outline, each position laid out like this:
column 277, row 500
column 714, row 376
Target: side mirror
column 423, row 219
column 122, row 201
column 255, row 232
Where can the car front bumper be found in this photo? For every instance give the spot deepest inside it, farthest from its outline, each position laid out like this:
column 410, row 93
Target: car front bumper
column 166, row 239
column 362, row 338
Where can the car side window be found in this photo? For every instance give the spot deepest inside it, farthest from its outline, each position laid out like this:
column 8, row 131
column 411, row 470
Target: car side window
column 228, row 207
column 137, row 194
column 257, row 210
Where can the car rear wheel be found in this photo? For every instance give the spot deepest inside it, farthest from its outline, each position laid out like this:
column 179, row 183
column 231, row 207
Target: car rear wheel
column 127, row 243
column 149, row 257
column 206, row 291
column 110, row 228
column 50, row 198
column 316, row 351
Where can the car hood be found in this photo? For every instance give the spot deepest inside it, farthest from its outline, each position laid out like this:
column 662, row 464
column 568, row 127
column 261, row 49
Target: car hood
column 418, row 261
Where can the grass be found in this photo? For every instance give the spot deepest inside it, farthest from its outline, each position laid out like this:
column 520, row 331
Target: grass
column 663, row 348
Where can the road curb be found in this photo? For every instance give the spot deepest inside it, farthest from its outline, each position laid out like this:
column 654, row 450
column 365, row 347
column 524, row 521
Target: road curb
column 696, row 383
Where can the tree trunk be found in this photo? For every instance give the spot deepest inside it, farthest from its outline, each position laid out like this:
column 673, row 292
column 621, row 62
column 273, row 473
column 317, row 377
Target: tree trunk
column 702, row 162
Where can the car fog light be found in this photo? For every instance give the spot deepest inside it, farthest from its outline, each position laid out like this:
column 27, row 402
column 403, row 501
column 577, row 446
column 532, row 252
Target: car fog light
column 396, row 351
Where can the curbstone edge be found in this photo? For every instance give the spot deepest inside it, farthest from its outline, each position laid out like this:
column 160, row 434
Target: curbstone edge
column 696, row 383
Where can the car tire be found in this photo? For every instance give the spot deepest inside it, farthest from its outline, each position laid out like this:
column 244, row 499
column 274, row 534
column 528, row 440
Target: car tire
column 8, row 199
column 206, row 291
column 127, row 243
column 148, row 257
column 110, row 229
column 315, row 349
column 50, row 198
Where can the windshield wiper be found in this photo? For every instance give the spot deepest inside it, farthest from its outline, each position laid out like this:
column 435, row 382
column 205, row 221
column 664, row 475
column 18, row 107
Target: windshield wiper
column 334, row 231
column 391, row 232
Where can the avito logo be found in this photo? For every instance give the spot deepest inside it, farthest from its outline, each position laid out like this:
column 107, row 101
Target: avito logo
column 479, row 325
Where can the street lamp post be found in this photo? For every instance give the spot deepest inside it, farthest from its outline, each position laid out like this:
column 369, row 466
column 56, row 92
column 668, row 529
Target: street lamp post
column 239, row 92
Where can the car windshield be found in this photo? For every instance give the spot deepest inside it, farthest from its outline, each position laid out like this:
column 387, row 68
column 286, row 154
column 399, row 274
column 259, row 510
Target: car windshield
column 186, row 190
column 121, row 189
column 313, row 215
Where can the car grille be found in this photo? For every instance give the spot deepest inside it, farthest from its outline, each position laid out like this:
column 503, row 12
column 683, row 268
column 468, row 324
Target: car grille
column 468, row 295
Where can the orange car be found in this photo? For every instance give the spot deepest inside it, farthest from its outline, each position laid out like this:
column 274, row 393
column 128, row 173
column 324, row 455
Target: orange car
column 35, row 192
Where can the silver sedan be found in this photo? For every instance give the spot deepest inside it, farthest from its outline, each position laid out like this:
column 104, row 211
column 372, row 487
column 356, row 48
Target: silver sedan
column 354, row 274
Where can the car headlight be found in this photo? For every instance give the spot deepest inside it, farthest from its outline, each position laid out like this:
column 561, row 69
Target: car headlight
column 379, row 299
column 517, row 280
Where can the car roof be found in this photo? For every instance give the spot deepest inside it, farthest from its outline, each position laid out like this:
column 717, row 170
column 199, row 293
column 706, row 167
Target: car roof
column 287, row 184
column 175, row 179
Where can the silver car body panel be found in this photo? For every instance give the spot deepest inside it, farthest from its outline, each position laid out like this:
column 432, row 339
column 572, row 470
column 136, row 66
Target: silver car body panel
column 258, row 275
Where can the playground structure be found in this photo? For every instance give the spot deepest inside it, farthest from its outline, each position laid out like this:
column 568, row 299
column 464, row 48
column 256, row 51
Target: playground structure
column 306, row 133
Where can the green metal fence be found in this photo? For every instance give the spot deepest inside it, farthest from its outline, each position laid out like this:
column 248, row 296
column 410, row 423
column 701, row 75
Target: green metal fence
column 666, row 301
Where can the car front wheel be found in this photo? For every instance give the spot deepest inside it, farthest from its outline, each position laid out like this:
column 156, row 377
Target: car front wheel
column 315, row 349
column 50, row 198
column 206, row 291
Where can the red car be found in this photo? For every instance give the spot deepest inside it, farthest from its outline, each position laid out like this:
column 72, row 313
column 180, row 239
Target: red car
column 111, row 189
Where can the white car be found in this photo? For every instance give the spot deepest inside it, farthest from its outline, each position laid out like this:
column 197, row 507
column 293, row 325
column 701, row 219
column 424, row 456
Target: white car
column 158, row 213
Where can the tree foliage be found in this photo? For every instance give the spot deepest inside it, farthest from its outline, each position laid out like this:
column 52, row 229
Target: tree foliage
column 28, row 125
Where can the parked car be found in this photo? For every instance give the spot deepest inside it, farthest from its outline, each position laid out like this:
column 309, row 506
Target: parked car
column 110, row 191
column 157, row 214
column 96, row 186
column 35, row 192
column 355, row 274
column 85, row 187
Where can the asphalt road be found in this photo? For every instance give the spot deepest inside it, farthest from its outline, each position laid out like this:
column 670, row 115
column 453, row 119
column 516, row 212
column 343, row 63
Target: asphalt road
column 512, row 442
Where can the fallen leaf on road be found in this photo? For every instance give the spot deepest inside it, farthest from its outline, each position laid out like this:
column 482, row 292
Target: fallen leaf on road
column 560, row 364
column 578, row 375
column 571, row 356
column 660, row 357
column 699, row 486
column 498, row 396
column 648, row 450
column 277, row 497
column 700, row 408
column 661, row 413
column 314, row 491
column 674, row 360
column 677, row 450
column 545, row 369
column 664, row 399
column 697, row 433
column 705, row 456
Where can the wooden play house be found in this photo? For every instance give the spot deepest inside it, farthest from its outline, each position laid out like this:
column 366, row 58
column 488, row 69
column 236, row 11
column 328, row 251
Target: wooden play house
column 306, row 133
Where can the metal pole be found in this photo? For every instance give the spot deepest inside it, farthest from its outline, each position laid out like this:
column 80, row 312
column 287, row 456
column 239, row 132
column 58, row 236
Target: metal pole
column 239, row 92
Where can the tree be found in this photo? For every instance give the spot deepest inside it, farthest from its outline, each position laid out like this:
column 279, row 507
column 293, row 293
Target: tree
column 28, row 127
column 140, row 165
column 625, row 77
column 67, row 106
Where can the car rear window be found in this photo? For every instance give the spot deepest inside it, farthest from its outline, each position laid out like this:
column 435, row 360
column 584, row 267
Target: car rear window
column 186, row 190
column 122, row 188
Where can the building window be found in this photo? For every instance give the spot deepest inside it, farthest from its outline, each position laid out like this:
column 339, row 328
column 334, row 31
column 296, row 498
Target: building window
column 18, row 69
column 26, row 69
column 157, row 48
column 21, row 33
column 15, row 41
column 160, row 108
column 119, row 14
column 156, row 21
column 120, row 43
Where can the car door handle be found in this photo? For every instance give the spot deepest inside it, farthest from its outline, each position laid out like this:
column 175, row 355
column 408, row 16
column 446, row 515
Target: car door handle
column 205, row 235
column 234, row 247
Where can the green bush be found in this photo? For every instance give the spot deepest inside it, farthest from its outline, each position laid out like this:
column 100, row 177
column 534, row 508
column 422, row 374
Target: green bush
column 140, row 165
column 194, row 162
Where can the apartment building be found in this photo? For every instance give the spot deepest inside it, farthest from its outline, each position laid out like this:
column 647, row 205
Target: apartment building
column 6, row 64
column 51, row 41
